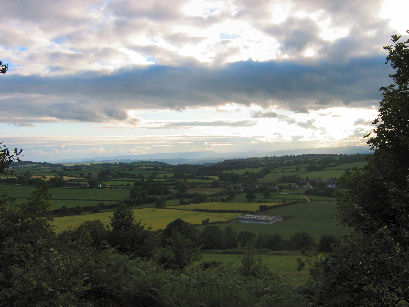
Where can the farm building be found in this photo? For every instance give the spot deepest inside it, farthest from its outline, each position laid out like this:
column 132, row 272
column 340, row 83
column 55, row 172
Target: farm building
column 259, row 219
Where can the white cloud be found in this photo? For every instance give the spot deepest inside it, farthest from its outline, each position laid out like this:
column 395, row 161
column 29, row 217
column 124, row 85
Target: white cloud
column 103, row 63
column 75, row 36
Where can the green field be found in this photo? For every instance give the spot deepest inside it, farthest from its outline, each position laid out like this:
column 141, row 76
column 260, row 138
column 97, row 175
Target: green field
column 69, row 197
column 70, row 203
column 199, row 180
column 283, row 263
column 89, row 194
column 206, row 191
column 244, row 170
column 294, row 195
column 325, row 174
column 317, row 218
column 122, row 182
column 350, row 165
column 155, row 218
column 43, row 171
column 278, row 172
column 328, row 173
column 226, row 206
column 17, row 191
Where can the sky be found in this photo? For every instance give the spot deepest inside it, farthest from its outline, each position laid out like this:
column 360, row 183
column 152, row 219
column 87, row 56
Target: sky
column 92, row 78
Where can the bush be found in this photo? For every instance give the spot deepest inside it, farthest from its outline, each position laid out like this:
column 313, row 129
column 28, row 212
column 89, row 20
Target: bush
column 327, row 243
column 245, row 238
column 302, row 241
column 160, row 203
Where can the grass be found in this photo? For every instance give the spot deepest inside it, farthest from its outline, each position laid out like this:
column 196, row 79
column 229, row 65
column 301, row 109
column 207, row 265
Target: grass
column 278, row 172
column 226, row 206
column 199, row 180
column 350, row 165
column 274, row 197
column 43, row 171
column 325, row 174
column 94, row 194
column 244, row 170
column 69, row 203
column 206, row 191
column 283, row 264
column 65, row 196
column 330, row 172
column 117, row 182
column 322, row 198
column 155, row 218
column 317, row 218
column 17, row 191
column 173, row 202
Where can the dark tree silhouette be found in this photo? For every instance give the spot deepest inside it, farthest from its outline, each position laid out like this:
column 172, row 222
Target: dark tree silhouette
column 3, row 67
column 370, row 268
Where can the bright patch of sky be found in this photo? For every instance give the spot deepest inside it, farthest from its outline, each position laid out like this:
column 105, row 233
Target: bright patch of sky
column 200, row 8
column 396, row 11
column 280, row 12
column 205, row 128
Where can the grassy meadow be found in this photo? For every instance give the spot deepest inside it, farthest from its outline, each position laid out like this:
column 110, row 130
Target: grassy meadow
column 283, row 263
column 317, row 218
column 244, row 170
column 151, row 217
column 277, row 175
column 67, row 196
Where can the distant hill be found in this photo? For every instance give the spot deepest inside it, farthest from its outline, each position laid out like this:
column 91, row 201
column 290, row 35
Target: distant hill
column 209, row 157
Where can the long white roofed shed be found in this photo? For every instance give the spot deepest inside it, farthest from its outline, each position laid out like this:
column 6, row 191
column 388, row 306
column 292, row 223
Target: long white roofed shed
column 259, row 219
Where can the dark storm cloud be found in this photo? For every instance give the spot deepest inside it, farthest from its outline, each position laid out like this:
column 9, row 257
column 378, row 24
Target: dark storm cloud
column 93, row 97
column 296, row 34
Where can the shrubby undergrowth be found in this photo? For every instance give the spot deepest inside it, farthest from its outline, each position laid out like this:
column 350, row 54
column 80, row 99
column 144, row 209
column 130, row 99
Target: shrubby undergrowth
column 124, row 265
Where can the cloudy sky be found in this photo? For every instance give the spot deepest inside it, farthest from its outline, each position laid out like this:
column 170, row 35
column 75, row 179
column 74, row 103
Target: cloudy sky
column 94, row 78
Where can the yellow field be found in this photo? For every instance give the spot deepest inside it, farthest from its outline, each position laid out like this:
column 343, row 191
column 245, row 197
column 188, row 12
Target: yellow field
column 41, row 177
column 226, row 206
column 156, row 218
column 7, row 177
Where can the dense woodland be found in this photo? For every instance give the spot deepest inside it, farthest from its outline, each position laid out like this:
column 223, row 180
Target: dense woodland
column 127, row 263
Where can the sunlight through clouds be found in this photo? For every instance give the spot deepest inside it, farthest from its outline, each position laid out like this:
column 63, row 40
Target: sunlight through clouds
column 280, row 12
column 225, row 76
column 396, row 11
column 200, row 8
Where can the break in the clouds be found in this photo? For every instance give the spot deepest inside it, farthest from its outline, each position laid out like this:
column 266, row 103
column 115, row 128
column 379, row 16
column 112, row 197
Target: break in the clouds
column 210, row 68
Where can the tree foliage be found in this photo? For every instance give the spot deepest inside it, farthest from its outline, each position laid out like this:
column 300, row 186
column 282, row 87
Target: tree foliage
column 379, row 196
column 7, row 156
column 3, row 68
column 370, row 267
column 178, row 252
column 129, row 236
